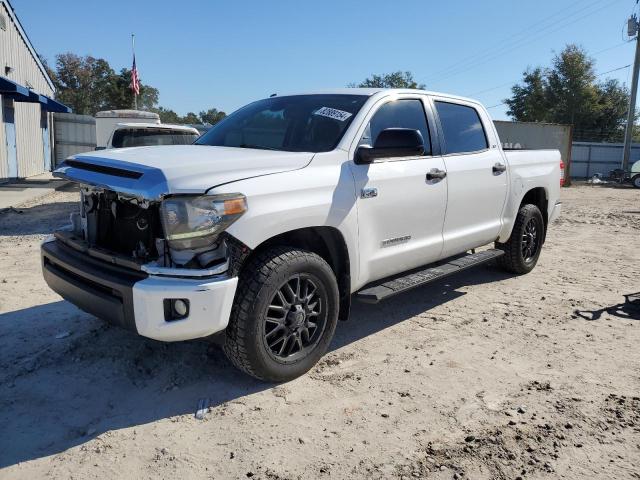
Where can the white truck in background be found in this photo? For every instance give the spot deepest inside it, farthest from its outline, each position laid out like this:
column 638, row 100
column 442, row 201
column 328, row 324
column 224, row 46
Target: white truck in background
column 127, row 135
column 262, row 232
column 137, row 128
column 107, row 120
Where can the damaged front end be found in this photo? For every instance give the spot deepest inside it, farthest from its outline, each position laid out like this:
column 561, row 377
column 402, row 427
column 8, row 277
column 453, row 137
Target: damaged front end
column 180, row 235
column 133, row 216
column 144, row 255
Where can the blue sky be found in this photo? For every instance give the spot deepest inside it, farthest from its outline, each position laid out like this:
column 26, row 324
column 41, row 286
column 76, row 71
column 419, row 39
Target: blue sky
column 203, row 54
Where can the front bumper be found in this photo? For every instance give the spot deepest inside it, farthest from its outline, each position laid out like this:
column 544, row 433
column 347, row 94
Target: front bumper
column 135, row 299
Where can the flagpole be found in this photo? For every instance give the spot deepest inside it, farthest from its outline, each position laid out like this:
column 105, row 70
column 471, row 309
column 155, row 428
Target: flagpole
column 133, row 49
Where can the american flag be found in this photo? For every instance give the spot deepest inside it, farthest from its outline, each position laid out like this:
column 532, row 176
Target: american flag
column 135, row 80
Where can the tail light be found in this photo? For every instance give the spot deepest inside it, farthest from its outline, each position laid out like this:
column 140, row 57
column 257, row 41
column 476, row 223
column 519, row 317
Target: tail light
column 561, row 173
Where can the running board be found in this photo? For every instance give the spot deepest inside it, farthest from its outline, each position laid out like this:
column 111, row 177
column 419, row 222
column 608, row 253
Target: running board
column 382, row 291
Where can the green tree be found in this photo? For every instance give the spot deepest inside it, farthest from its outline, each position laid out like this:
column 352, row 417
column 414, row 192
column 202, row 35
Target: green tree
column 88, row 85
column 212, row 116
column 190, row 118
column 529, row 101
column 167, row 115
column 120, row 95
column 573, row 93
column 569, row 93
column 611, row 118
column 82, row 82
column 390, row 80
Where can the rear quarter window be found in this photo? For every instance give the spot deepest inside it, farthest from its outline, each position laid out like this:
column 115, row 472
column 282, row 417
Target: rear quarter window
column 462, row 128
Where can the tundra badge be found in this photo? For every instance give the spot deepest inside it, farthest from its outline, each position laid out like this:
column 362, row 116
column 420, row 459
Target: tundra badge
column 395, row 241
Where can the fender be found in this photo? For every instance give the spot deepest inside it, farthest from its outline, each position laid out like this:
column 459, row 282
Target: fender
column 319, row 195
column 525, row 176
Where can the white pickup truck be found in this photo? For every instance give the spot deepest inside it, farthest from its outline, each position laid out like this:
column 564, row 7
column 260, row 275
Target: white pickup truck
column 149, row 134
column 261, row 233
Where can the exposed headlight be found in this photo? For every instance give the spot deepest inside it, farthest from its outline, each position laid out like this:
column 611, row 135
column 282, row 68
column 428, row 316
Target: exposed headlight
column 191, row 222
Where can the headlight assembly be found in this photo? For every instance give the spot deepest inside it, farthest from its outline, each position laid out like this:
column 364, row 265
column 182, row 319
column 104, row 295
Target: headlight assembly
column 194, row 222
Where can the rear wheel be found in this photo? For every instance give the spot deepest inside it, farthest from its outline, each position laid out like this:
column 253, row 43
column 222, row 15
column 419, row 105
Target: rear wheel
column 284, row 315
column 635, row 181
column 522, row 250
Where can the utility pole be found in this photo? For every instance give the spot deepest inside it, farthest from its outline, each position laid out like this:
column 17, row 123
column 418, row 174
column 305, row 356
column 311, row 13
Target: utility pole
column 632, row 30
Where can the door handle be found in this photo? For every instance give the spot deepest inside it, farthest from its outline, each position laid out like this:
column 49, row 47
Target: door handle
column 436, row 174
column 499, row 168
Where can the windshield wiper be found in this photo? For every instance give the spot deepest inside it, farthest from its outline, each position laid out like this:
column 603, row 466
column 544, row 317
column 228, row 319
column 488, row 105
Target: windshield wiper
column 257, row 147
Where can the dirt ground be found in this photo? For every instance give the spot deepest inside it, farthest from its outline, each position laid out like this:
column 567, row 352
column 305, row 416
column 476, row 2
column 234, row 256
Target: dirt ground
column 485, row 376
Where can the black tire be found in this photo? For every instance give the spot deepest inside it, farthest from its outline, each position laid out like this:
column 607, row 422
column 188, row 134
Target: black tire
column 265, row 286
column 522, row 250
column 635, row 181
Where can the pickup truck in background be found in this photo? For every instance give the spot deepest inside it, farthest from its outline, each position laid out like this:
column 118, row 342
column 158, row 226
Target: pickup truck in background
column 262, row 232
column 150, row 134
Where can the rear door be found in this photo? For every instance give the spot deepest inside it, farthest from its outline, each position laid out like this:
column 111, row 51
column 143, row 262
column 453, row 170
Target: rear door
column 400, row 211
column 476, row 174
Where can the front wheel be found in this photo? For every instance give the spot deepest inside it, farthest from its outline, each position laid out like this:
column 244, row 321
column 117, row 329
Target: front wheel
column 284, row 314
column 635, row 181
column 522, row 250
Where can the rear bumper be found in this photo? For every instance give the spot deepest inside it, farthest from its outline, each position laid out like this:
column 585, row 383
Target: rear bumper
column 555, row 213
column 135, row 300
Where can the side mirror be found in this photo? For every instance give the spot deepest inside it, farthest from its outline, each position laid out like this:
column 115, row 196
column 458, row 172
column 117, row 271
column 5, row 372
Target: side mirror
column 392, row 143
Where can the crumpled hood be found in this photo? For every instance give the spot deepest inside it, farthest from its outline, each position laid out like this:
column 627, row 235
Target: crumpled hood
column 152, row 172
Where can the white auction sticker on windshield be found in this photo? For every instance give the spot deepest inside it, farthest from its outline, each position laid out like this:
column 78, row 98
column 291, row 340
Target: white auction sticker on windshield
column 333, row 113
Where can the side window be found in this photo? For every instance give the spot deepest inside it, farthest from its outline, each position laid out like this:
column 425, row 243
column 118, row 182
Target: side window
column 462, row 128
column 398, row 114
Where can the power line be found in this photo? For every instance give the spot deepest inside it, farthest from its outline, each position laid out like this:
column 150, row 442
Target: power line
column 611, row 48
column 516, row 81
column 614, row 70
column 598, row 75
column 491, row 89
column 541, row 33
column 501, row 43
column 518, row 44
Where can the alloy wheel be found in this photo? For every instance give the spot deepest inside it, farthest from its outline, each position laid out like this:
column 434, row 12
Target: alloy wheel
column 530, row 240
column 295, row 318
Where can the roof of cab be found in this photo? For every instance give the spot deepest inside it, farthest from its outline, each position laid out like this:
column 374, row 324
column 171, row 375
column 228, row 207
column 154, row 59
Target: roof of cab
column 377, row 91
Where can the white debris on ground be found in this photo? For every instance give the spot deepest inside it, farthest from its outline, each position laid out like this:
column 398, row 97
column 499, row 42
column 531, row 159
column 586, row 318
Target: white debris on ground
column 485, row 376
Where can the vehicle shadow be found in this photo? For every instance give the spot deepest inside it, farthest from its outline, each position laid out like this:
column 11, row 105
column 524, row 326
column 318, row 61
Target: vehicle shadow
column 39, row 219
column 66, row 377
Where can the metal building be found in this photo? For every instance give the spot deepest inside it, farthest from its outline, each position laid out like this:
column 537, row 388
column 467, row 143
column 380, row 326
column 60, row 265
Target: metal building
column 26, row 102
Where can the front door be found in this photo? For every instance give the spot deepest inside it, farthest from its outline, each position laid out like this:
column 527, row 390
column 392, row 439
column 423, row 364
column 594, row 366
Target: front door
column 476, row 174
column 400, row 211
column 8, row 116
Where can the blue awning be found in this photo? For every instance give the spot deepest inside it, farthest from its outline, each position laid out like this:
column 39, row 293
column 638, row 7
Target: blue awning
column 19, row 93
column 54, row 106
column 35, row 98
column 13, row 90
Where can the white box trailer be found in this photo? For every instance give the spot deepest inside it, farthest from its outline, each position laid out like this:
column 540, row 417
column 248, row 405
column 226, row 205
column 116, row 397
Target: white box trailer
column 107, row 120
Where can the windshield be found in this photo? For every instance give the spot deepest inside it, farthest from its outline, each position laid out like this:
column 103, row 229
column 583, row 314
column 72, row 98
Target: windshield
column 143, row 137
column 298, row 123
